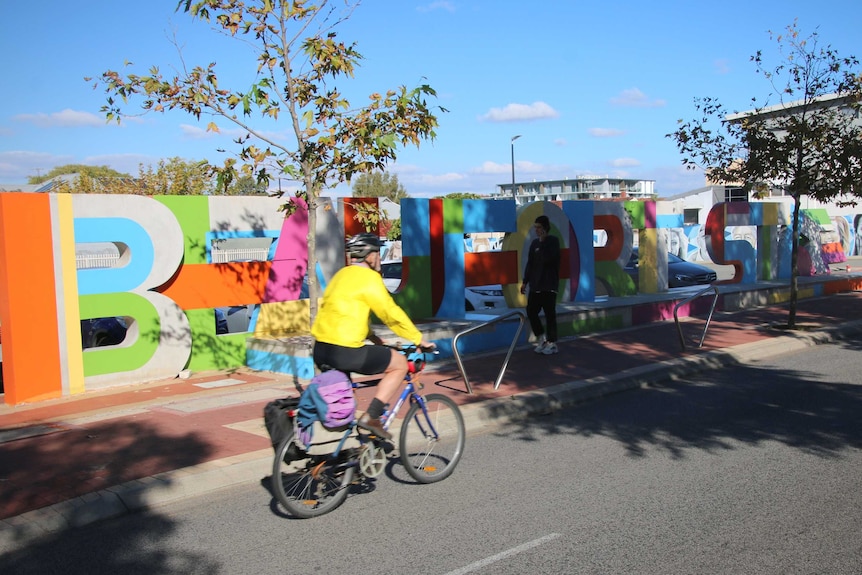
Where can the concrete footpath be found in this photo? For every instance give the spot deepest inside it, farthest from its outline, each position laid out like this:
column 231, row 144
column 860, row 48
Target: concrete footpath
column 74, row 461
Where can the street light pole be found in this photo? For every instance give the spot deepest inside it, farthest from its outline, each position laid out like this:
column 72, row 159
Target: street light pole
column 513, row 166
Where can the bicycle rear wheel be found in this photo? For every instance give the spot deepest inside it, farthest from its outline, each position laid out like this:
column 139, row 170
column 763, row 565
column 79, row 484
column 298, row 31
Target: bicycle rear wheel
column 432, row 440
column 311, row 485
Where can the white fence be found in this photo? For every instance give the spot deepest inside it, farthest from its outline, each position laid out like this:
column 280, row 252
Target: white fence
column 96, row 261
column 239, row 255
column 90, row 261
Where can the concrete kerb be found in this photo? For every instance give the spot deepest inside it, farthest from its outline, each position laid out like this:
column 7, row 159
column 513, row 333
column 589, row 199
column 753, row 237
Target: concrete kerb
column 138, row 495
column 544, row 402
column 169, row 487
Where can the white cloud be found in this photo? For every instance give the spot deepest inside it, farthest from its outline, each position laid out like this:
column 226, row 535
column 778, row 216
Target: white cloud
column 492, row 168
column 520, row 112
column 17, row 166
column 624, row 162
column 533, row 168
column 606, row 132
column 192, row 132
column 438, row 179
column 562, row 142
column 126, row 163
column 400, row 169
column 672, row 180
column 438, row 5
column 634, row 98
column 722, row 66
column 65, row 119
column 197, row 133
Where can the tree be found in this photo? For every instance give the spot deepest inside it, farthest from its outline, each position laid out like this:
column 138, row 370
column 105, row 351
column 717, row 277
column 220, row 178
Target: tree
column 69, row 169
column 299, row 61
column 85, row 183
column 379, row 185
column 376, row 185
column 808, row 143
column 176, row 177
column 394, row 231
column 247, row 186
column 462, row 196
column 172, row 177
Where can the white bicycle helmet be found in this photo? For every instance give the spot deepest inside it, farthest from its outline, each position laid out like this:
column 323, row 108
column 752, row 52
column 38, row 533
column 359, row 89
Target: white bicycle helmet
column 359, row 246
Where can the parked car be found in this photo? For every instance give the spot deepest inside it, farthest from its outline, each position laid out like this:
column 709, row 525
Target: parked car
column 484, row 297
column 101, row 331
column 233, row 319
column 680, row 273
column 476, row 297
column 391, row 272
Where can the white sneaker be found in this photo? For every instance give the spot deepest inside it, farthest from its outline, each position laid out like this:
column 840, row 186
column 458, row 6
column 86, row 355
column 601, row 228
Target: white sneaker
column 540, row 347
column 550, row 348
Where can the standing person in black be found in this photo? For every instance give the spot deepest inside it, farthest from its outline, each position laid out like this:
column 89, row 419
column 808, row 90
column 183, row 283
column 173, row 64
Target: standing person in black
column 542, row 275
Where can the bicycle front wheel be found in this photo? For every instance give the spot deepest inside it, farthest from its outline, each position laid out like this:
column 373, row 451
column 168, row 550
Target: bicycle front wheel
column 432, row 439
column 308, row 486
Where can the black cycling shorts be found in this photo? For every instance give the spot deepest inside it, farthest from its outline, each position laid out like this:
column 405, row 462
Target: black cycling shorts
column 367, row 360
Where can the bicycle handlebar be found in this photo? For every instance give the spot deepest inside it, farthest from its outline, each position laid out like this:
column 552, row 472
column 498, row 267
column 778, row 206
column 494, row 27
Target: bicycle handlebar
column 415, row 355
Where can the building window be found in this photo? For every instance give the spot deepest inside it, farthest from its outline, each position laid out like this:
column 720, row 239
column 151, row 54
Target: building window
column 735, row 195
column 690, row 215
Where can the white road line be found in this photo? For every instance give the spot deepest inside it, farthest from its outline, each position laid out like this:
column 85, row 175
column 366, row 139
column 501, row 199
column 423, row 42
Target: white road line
column 502, row 555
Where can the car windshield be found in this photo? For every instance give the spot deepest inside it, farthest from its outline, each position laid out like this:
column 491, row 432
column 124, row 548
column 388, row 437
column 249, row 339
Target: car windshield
column 671, row 258
column 391, row 271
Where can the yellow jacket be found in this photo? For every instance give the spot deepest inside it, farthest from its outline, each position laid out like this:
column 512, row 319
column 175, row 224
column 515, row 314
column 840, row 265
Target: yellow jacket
column 344, row 316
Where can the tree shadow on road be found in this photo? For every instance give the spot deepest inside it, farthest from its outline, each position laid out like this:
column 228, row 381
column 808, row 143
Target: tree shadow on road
column 137, row 548
column 716, row 410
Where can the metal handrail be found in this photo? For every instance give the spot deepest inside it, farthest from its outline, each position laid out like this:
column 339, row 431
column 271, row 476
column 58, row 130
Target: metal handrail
column 521, row 319
column 708, row 318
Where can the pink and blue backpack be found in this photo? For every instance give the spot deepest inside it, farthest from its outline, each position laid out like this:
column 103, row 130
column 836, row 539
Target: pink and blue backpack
column 328, row 399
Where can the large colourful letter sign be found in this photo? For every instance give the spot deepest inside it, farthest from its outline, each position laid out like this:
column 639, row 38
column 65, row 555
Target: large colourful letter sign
column 436, row 269
column 127, row 290
column 749, row 264
column 613, row 256
column 166, row 280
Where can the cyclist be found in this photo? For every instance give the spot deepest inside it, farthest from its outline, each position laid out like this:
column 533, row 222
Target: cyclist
column 343, row 325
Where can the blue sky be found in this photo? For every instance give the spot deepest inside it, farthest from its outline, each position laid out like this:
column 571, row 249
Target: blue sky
column 591, row 87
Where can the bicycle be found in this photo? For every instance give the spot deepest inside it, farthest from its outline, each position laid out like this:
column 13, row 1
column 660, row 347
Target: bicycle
column 431, row 442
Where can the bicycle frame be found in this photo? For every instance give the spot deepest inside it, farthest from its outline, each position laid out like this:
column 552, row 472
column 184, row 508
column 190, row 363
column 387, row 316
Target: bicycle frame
column 388, row 416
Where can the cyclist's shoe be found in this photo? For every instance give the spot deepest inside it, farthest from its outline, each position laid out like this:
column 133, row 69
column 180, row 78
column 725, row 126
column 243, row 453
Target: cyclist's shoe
column 374, row 426
column 541, row 345
column 550, row 348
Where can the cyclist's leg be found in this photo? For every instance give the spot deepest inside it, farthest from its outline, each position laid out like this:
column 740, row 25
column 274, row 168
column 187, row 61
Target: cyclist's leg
column 393, row 368
column 368, row 360
column 393, row 376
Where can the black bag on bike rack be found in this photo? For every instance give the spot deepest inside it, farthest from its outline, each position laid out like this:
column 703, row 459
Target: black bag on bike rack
column 276, row 419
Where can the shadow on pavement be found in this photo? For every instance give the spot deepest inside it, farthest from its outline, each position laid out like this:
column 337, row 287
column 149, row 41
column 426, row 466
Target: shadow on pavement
column 40, row 471
column 103, row 549
column 789, row 407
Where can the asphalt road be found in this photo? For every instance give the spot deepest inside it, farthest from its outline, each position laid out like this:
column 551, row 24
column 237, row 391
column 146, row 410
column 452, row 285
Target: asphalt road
column 751, row 470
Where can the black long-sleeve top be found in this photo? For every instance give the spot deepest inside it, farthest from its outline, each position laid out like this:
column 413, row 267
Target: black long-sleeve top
column 542, row 272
